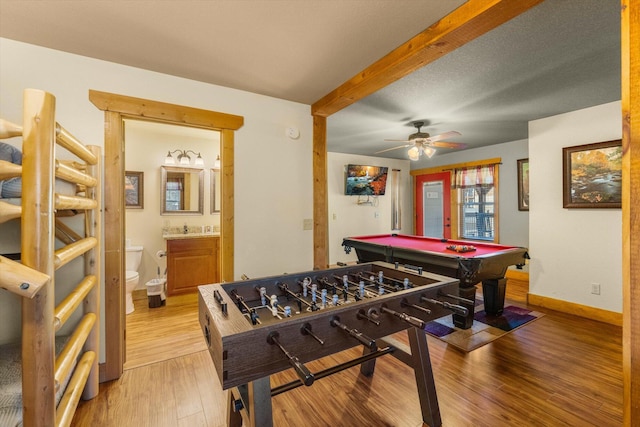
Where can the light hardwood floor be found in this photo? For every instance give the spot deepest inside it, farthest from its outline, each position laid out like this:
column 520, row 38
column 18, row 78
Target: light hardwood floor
column 162, row 333
column 558, row 370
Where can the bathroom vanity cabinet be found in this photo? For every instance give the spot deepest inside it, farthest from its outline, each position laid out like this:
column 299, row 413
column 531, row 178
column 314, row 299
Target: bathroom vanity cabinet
column 191, row 261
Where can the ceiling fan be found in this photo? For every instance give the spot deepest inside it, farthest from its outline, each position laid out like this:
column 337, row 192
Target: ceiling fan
column 423, row 143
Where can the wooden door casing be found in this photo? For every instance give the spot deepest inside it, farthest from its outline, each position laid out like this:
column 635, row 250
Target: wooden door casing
column 445, row 178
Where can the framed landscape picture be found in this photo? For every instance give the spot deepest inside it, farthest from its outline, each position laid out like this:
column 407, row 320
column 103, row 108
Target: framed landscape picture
column 592, row 175
column 134, row 190
column 523, row 184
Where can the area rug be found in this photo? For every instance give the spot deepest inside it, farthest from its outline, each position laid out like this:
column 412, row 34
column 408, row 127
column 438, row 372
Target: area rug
column 485, row 328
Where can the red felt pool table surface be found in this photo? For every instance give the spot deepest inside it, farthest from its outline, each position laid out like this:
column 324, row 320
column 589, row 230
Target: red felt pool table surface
column 429, row 244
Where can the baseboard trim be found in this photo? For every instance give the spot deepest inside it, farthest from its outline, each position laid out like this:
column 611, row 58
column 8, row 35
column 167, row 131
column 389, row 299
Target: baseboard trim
column 593, row 313
column 519, row 275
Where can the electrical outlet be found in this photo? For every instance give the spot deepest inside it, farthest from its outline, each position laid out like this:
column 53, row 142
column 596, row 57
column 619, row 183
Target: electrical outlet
column 595, row 288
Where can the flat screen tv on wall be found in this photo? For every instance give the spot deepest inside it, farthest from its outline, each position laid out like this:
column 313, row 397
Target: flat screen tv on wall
column 364, row 180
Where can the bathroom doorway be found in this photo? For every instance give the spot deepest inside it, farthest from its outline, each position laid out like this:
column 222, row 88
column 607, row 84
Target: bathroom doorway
column 150, row 337
column 116, row 108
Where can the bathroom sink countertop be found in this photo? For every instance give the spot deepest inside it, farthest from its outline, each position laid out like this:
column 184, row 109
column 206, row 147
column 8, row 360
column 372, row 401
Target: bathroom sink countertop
column 188, row 235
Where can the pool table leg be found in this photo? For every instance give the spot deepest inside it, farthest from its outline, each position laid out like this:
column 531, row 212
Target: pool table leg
column 493, row 292
column 465, row 322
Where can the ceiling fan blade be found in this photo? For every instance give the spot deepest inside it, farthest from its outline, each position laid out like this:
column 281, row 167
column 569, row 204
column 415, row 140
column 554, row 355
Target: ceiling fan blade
column 398, row 140
column 394, row 148
column 445, row 135
column 445, row 144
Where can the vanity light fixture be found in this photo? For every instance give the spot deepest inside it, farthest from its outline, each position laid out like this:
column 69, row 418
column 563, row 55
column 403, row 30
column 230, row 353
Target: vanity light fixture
column 216, row 164
column 183, row 158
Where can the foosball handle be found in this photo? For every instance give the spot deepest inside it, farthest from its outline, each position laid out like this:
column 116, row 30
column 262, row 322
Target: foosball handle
column 303, row 373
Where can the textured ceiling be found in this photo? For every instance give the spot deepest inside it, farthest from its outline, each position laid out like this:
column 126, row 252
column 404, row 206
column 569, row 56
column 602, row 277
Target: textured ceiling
column 291, row 49
column 560, row 56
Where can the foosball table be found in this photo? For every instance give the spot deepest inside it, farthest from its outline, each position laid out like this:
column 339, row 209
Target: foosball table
column 256, row 328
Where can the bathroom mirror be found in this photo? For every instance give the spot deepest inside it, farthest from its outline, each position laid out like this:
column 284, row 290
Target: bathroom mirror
column 182, row 191
column 215, row 190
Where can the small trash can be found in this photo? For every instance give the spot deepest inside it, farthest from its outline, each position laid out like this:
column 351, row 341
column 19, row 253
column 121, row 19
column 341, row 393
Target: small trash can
column 155, row 292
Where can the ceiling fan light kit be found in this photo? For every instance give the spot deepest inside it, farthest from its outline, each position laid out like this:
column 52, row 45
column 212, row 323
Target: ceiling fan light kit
column 423, row 143
column 414, row 153
column 418, row 149
column 428, row 151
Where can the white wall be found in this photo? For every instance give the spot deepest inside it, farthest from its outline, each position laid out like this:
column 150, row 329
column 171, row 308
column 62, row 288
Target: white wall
column 347, row 218
column 572, row 248
column 273, row 173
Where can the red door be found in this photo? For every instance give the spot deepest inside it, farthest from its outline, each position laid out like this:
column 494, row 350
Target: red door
column 433, row 205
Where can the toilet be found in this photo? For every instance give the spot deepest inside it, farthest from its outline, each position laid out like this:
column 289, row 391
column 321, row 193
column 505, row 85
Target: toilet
column 132, row 263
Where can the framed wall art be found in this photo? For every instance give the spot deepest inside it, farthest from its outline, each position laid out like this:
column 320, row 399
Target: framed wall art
column 134, row 190
column 592, row 175
column 523, row 184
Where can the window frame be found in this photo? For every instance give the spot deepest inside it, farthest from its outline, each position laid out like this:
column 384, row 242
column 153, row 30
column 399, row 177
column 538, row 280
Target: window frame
column 487, row 217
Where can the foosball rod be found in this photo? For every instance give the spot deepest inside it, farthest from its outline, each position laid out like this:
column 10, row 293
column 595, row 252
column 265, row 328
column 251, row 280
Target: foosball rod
column 370, row 343
column 405, row 303
column 283, row 287
column 413, row 321
column 367, row 293
column 334, row 369
column 371, row 317
column 357, row 285
column 374, row 282
column 306, row 330
column 251, row 311
column 456, row 297
column 335, row 287
column 411, row 267
column 341, row 287
column 458, row 309
column 391, row 279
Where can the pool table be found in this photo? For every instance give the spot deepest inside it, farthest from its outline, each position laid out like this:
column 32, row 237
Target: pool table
column 487, row 263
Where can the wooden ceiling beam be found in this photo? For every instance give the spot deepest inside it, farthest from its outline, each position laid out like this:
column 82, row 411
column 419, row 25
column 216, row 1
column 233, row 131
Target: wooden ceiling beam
column 473, row 19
